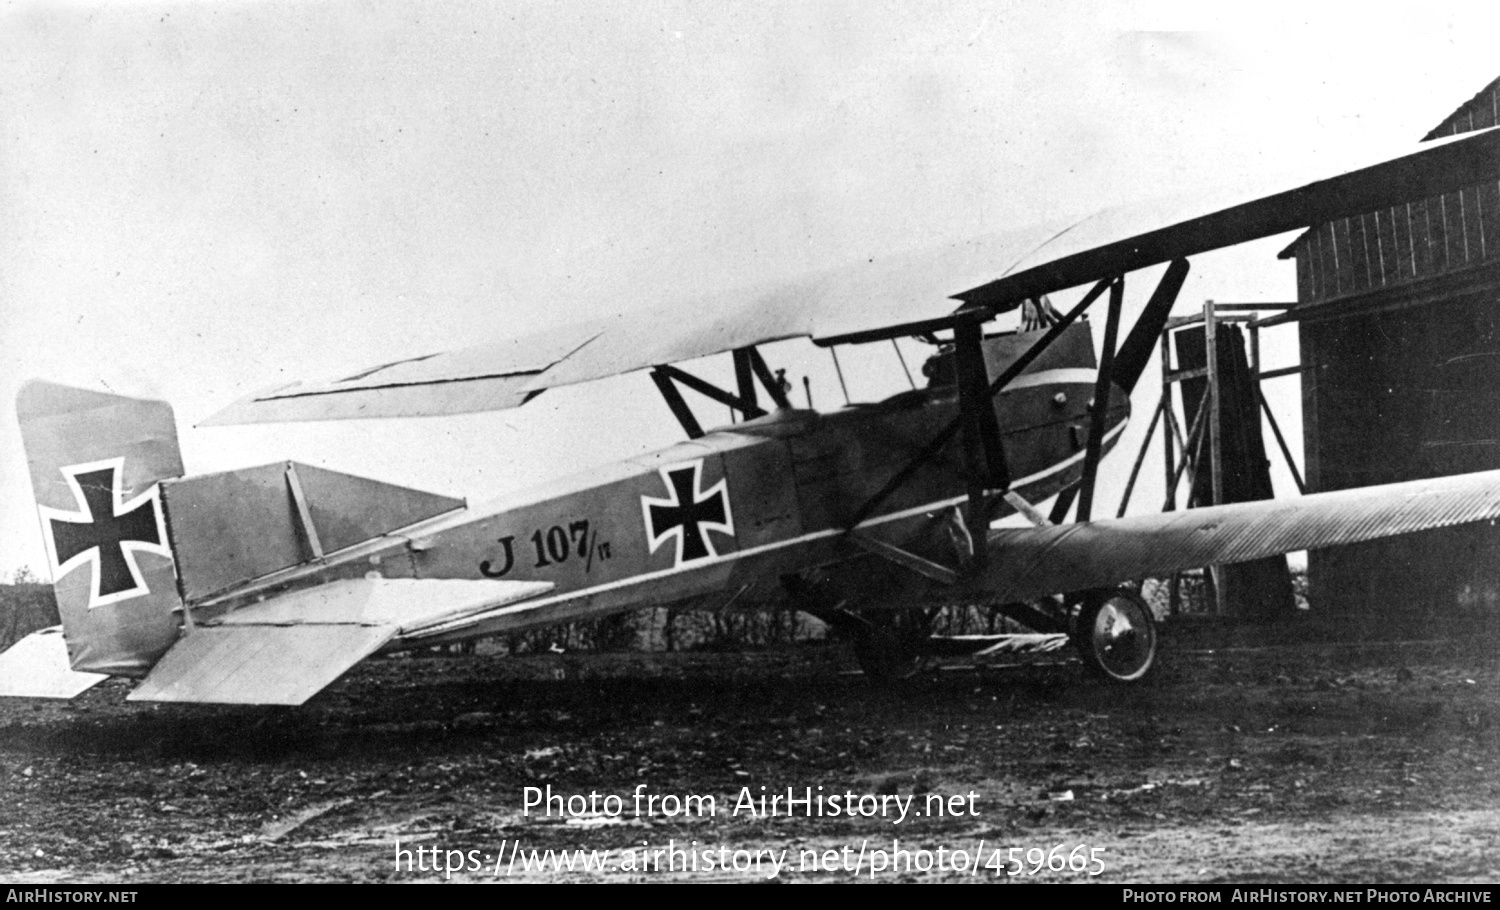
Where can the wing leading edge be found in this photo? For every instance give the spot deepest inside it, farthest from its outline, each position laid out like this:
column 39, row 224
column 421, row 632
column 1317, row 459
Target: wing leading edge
column 1034, row 562
column 997, row 271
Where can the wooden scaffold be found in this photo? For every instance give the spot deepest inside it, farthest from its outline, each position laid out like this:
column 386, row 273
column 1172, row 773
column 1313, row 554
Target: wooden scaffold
column 1185, row 438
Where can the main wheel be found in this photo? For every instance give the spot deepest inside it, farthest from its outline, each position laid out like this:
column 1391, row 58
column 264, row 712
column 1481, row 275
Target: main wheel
column 888, row 644
column 1116, row 634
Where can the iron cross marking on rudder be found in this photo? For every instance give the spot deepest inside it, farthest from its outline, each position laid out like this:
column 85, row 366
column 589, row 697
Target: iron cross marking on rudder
column 106, row 531
column 686, row 514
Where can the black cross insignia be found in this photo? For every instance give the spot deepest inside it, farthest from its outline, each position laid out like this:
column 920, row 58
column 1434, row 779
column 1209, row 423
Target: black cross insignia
column 686, row 514
column 105, row 527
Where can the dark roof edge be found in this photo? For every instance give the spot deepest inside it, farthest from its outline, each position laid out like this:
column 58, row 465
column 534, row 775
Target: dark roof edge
column 1449, row 126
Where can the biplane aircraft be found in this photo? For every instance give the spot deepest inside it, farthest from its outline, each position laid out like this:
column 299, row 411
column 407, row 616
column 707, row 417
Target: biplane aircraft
column 264, row 585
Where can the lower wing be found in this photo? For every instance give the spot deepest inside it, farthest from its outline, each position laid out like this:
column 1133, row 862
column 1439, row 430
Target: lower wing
column 1034, row 562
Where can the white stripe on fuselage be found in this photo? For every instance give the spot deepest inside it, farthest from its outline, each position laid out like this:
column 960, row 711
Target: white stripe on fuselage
column 1053, row 377
column 763, row 548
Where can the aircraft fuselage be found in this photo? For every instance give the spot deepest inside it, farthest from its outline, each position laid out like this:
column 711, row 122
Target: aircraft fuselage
column 719, row 520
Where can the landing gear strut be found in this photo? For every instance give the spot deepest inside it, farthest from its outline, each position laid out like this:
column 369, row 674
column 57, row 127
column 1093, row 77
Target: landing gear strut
column 1116, row 634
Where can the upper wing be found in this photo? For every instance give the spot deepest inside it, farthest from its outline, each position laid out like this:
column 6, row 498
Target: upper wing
column 489, row 377
column 1033, row 562
column 871, row 295
column 1132, row 237
column 996, row 271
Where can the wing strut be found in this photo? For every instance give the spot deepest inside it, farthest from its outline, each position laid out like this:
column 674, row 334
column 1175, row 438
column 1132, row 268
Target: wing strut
column 986, row 459
column 748, row 408
column 744, row 378
column 1099, row 408
column 748, row 367
column 675, row 401
column 936, row 444
column 1140, row 344
column 772, row 383
column 984, row 453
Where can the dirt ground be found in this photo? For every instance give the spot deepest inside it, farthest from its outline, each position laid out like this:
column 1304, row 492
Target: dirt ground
column 1256, row 756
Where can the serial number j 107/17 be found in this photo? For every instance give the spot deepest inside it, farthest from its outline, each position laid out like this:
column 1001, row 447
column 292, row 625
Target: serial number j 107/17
column 549, row 547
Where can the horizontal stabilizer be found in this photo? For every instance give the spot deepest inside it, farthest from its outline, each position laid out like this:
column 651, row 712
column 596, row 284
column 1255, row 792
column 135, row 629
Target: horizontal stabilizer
column 408, row 604
column 285, row 649
column 1032, row 562
column 37, row 667
column 230, row 527
column 258, row 665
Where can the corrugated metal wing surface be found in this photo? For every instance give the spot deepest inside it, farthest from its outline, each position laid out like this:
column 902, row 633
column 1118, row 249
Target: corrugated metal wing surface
column 1032, row 562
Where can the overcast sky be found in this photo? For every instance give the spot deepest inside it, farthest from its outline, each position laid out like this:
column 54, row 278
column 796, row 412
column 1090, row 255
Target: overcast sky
column 203, row 199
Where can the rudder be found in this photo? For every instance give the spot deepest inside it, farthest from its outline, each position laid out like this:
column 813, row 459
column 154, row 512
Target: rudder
column 96, row 461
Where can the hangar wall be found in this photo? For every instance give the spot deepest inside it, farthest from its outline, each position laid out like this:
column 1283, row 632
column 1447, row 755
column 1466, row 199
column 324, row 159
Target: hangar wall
column 1400, row 336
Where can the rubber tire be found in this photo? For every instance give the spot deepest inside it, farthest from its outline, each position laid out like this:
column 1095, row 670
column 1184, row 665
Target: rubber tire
column 888, row 648
column 1119, row 655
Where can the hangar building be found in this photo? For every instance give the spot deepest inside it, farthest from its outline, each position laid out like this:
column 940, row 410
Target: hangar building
column 1400, row 341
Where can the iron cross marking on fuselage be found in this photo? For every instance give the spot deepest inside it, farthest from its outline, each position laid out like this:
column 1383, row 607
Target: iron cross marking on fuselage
column 105, row 525
column 687, row 514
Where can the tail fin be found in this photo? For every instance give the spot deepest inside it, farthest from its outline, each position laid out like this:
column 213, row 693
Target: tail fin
column 96, row 461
